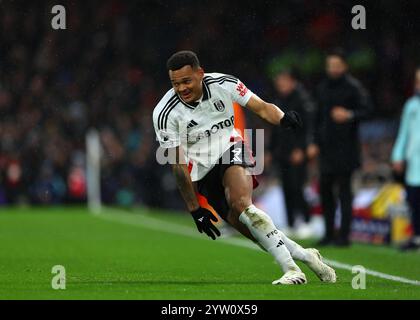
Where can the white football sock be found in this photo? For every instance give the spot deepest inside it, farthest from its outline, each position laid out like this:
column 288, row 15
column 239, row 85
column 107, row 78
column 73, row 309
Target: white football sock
column 262, row 228
column 295, row 249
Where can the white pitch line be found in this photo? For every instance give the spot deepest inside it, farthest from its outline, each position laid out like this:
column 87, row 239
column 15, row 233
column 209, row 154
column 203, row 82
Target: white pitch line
column 373, row 273
column 160, row 225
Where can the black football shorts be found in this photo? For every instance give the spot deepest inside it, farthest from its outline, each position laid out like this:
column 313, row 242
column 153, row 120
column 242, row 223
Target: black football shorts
column 211, row 186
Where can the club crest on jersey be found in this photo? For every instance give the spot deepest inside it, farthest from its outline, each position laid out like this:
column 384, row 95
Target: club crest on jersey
column 219, row 105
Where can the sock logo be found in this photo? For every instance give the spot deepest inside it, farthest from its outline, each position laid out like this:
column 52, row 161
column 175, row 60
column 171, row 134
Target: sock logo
column 272, row 233
column 201, row 219
column 279, row 244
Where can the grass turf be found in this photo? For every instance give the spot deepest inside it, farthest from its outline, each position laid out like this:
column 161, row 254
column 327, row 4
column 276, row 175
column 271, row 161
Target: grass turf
column 111, row 260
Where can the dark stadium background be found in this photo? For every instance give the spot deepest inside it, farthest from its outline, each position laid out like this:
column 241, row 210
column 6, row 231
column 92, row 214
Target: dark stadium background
column 107, row 70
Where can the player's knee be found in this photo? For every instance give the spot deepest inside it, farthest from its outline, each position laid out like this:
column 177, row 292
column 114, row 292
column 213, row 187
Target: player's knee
column 240, row 204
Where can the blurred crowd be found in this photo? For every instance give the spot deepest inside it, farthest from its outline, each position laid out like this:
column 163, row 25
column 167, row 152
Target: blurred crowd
column 107, row 71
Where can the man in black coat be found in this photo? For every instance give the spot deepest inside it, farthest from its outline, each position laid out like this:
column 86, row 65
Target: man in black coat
column 288, row 148
column 342, row 103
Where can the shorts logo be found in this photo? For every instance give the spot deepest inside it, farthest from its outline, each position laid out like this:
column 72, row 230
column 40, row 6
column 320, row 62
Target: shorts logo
column 236, row 155
column 219, row 105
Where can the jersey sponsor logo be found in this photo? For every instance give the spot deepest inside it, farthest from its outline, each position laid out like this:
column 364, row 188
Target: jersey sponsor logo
column 214, row 129
column 241, row 89
column 219, row 105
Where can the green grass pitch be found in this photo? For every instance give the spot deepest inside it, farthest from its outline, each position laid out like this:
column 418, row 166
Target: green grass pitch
column 135, row 255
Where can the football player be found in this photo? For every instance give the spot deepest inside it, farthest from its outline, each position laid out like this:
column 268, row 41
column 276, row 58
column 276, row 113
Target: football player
column 194, row 121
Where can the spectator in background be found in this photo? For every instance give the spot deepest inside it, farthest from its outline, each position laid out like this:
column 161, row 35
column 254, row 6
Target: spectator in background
column 406, row 156
column 54, row 86
column 288, row 148
column 342, row 103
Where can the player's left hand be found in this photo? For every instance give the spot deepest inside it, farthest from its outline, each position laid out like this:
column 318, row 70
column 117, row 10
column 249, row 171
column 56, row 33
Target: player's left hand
column 291, row 120
column 203, row 219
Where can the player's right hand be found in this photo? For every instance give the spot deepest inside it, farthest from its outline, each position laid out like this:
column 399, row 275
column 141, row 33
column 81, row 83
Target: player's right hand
column 203, row 218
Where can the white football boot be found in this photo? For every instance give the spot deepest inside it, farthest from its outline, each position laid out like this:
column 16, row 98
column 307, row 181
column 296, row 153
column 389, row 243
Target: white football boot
column 324, row 272
column 291, row 277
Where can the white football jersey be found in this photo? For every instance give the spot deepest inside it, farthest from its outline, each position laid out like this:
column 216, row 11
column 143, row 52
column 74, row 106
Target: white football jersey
column 205, row 129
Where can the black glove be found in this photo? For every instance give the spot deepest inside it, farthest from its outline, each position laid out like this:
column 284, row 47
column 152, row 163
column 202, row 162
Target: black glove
column 291, row 120
column 202, row 218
